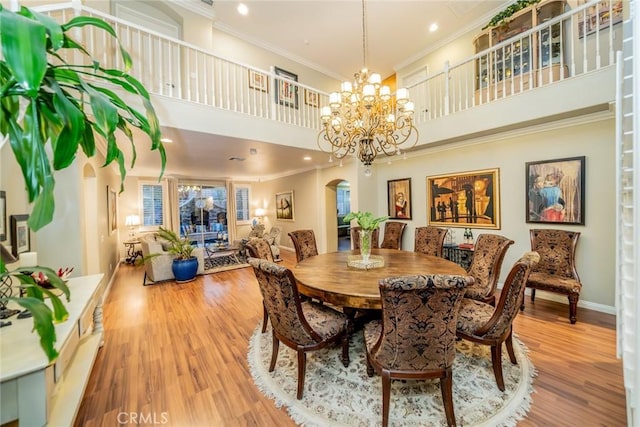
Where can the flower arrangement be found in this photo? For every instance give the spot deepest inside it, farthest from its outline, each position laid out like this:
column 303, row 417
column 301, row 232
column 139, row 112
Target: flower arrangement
column 41, row 279
column 365, row 220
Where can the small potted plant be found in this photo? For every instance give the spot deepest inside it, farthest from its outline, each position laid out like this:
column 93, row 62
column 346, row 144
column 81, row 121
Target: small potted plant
column 367, row 224
column 185, row 264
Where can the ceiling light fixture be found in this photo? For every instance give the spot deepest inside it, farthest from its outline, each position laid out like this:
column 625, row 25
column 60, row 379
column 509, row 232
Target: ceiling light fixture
column 364, row 119
column 243, row 9
column 433, row 27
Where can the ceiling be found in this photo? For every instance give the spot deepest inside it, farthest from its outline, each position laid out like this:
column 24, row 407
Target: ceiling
column 324, row 35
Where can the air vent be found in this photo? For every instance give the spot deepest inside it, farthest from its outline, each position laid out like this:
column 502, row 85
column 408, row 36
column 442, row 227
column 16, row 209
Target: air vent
column 239, row 159
column 253, row 151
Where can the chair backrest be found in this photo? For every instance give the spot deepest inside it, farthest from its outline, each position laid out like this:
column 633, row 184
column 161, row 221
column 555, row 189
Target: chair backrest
column 304, row 242
column 392, row 238
column 488, row 254
column 510, row 298
column 557, row 249
column 429, row 240
column 355, row 237
column 259, row 248
column 256, row 231
column 274, row 235
column 419, row 316
column 282, row 302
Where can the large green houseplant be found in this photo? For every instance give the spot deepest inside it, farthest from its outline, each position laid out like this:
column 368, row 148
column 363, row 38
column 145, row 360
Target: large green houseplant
column 184, row 264
column 367, row 223
column 50, row 109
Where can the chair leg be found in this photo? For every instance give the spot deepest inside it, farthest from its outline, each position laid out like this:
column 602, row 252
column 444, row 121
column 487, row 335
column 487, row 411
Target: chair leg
column 509, row 343
column 533, row 294
column 345, row 349
column 369, row 366
column 274, row 351
column 386, row 393
column 573, row 307
column 265, row 318
column 302, row 369
column 446, row 388
column 496, row 361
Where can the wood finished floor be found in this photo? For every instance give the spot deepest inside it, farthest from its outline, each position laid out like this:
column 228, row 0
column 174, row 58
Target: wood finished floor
column 175, row 355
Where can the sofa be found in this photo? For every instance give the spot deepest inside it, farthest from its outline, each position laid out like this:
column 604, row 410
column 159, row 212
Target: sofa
column 158, row 267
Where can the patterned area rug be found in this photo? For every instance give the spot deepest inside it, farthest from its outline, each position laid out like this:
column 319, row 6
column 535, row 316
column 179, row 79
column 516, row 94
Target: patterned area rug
column 339, row 396
column 224, row 262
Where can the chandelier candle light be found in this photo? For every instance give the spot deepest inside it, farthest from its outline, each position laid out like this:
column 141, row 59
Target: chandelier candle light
column 364, row 119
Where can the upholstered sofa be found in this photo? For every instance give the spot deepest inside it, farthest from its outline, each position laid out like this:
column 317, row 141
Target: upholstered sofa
column 272, row 238
column 158, row 268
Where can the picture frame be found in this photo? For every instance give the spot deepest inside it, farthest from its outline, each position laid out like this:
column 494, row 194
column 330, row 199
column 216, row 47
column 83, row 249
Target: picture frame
column 286, row 92
column 285, row 206
column 311, row 98
column 399, row 198
column 465, row 199
column 555, row 191
column 20, row 234
column 258, row 81
column 605, row 14
column 112, row 209
column 3, row 216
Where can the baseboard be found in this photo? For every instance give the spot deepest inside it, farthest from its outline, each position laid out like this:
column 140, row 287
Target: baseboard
column 550, row 296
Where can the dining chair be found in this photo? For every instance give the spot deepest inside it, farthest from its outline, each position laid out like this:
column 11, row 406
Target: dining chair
column 429, row 240
column 482, row 323
column 556, row 271
column 488, row 254
column 302, row 325
column 392, row 238
column 259, row 248
column 304, row 242
column 355, row 237
column 416, row 337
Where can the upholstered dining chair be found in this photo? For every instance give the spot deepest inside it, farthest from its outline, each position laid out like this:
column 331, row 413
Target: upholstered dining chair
column 482, row 323
column 556, row 271
column 355, row 237
column 488, row 254
column 429, row 240
column 392, row 237
column 416, row 337
column 259, row 248
column 303, row 326
column 304, row 242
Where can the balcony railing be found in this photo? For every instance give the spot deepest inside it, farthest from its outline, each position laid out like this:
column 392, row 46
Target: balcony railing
column 581, row 40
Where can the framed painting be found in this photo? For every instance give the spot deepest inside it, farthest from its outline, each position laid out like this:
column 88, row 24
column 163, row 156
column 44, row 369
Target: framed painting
column 284, row 206
column 286, row 89
column 112, row 209
column 20, row 237
column 465, row 199
column 3, row 216
column 258, row 81
column 555, row 191
column 311, row 98
column 399, row 198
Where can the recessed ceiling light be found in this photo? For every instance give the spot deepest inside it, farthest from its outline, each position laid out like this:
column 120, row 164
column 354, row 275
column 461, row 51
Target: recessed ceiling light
column 166, row 140
column 253, row 151
column 243, row 9
column 433, row 27
column 307, row 157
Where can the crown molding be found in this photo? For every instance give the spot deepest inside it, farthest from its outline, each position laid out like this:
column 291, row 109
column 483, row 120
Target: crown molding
column 197, row 6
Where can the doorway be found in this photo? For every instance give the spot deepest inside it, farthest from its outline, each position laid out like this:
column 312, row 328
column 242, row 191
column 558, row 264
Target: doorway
column 343, row 207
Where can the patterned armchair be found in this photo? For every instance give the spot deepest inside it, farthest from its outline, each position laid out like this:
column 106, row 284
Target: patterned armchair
column 392, row 238
column 416, row 337
column 481, row 323
column 158, row 268
column 429, row 240
column 259, row 248
column 273, row 239
column 304, row 242
column 556, row 271
column 355, row 237
column 488, row 255
column 303, row 326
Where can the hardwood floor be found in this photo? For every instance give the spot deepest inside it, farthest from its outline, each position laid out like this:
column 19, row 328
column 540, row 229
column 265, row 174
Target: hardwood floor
column 175, row 355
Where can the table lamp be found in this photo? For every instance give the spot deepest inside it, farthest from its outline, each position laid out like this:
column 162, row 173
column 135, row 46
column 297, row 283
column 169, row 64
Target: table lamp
column 260, row 213
column 132, row 221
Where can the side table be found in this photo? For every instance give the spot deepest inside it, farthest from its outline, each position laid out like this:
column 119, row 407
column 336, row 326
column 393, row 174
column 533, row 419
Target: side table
column 132, row 253
column 461, row 256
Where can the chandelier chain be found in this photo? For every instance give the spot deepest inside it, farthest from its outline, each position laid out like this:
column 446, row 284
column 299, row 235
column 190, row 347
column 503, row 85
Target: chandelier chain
column 364, row 35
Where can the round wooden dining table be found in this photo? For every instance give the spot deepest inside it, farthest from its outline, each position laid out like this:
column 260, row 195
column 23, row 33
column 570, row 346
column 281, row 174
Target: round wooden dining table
column 328, row 278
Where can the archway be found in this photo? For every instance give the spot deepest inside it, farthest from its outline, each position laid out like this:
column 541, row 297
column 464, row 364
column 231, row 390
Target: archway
column 337, row 203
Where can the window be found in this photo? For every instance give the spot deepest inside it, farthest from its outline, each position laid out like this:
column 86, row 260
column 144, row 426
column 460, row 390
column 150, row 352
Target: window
column 242, row 203
column 152, row 196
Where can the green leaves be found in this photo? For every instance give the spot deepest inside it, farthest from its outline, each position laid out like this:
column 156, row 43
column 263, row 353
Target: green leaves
column 365, row 220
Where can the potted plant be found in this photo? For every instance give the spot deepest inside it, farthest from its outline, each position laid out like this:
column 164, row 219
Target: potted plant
column 185, row 264
column 50, row 109
column 367, row 224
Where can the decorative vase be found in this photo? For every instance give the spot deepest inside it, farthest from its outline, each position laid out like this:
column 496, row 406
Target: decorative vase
column 365, row 244
column 184, row 270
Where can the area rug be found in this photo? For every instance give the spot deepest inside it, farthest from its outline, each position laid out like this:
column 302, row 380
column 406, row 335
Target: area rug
column 224, row 263
column 339, row 396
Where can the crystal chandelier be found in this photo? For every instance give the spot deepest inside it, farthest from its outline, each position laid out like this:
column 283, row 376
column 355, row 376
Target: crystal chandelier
column 364, row 119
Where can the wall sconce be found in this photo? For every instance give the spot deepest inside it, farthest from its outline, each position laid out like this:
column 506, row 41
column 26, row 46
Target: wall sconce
column 132, row 221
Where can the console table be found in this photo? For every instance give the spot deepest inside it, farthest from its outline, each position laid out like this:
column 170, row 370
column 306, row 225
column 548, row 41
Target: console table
column 36, row 392
column 461, row 256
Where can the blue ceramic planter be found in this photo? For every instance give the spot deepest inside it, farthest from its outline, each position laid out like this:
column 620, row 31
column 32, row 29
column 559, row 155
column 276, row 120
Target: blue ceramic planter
column 184, row 270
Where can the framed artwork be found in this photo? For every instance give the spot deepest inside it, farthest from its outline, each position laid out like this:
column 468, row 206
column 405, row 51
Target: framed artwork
column 284, row 206
column 258, row 81
column 600, row 16
column 465, row 199
column 112, row 209
column 311, row 98
column 3, row 216
column 399, row 198
column 555, row 191
column 286, row 91
column 20, row 237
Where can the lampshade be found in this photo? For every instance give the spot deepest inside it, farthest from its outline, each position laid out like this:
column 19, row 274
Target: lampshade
column 260, row 212
column 132, row 220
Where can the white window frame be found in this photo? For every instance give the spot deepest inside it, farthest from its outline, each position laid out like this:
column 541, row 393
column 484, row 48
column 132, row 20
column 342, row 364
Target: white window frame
column 238, row 187
column 165, row 203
